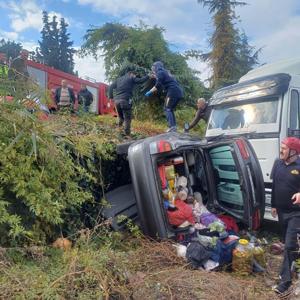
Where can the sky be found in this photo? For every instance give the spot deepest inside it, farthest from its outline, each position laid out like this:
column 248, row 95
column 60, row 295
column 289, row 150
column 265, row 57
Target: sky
column 272, row 25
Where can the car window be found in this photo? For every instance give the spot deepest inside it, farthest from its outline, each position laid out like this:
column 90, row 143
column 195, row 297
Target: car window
column 294, row 110
column 227, row 179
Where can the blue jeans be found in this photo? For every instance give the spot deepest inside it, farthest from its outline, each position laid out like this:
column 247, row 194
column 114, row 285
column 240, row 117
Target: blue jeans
column 170, row 105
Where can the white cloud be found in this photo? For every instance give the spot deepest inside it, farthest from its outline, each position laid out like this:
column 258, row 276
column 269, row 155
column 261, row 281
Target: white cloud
column 89, row 67
column 272, row 25
column 283, row 43
column 27, row 14
column 182, row 19
column 24, row 15
column 9, row 35
column 203, row 68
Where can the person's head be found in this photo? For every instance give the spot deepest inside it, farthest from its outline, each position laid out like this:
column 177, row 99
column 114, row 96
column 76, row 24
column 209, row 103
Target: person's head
column 64, row 83
column 82, row 86
column 3, row 58
column 132, row 73
column 201, row 103
column 24, row 54
column 157, row 66
column 290, row 149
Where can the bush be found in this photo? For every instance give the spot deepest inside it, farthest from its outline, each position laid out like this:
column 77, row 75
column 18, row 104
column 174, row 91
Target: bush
column 47, row 171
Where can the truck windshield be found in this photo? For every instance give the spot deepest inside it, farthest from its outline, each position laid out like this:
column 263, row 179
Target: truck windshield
column 260, row 116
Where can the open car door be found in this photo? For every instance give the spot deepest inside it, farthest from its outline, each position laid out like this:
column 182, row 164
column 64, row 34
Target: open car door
column 236, row 180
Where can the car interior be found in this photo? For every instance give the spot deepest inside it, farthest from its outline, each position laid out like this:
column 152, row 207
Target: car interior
column 191, row 165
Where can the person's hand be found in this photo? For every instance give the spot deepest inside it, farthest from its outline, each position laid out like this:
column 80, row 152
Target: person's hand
column 152, row 76
column 296, row 198
column 274, row 212
column 148, row 94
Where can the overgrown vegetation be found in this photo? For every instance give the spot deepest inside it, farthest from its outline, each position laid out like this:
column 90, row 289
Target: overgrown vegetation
column 139, row 47
column 109, row 265
column 53, row 173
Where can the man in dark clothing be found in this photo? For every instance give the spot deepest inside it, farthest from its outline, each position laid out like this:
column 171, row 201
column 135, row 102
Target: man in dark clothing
column 164, row 80
column 64, row 96
column 123, row 87
column 18, row 68
column 85, row 97
column 285, row 204
column 203, row 112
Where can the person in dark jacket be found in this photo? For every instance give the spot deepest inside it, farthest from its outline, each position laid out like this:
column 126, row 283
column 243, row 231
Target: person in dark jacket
column 164, row 80
column 203, row 112
column 123, row 88
column 286, row 204
column 64, row 96
column 85, row 97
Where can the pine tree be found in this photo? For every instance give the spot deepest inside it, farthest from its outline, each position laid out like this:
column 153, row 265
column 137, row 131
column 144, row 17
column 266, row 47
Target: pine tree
column 43, row 51
column 66, row 50
column 230, row 51
column 248, row 56
column 55, row 45
column 55, row 48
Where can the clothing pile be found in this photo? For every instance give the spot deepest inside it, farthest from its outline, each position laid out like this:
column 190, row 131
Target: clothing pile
column 207, row 240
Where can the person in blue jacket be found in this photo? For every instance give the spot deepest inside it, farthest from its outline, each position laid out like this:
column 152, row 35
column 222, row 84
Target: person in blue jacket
column 164, row 80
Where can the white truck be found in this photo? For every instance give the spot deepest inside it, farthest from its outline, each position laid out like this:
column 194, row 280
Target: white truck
column 264, row 106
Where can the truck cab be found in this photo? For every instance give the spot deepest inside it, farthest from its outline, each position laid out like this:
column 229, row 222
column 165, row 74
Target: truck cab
column 264, row 107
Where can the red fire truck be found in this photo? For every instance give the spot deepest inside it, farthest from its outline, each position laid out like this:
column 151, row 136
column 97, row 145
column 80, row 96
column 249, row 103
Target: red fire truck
column 50, row 78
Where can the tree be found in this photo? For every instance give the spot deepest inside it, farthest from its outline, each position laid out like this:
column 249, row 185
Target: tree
column 54, row 55
column 248, row 56
column 140, row 46
column 10, row 48
column 66, row 50
column 43, row 52
column 231, row 55
column 55, row 48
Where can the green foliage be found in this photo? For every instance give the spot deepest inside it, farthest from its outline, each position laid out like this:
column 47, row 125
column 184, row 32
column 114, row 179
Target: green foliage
column 139, row 47
column 10, row 48
column 54, row 174
column 39, row 179
column 55, row 48
column 66, row 50
column 231, row 55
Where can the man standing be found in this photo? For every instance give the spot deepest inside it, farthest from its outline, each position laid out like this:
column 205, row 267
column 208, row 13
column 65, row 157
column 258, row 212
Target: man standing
column 203, row 112
column 165, row 81
column 64, row 96
column 123, row 87
column 18, row 67
column 85, row 97
column 286, row 204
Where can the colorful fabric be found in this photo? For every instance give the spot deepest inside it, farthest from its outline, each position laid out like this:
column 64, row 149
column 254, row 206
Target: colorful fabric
column 229, row 222
column 208, row 218
column 181, row 214
column 64, row 99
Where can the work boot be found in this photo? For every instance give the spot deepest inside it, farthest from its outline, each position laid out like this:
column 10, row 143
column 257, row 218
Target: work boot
column 283, row 288
column 172, row 129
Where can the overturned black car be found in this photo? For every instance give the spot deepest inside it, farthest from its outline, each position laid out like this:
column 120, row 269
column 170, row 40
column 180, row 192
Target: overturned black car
column 226, row 173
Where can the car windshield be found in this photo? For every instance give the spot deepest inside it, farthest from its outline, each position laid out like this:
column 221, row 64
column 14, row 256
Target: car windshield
column 259, row 116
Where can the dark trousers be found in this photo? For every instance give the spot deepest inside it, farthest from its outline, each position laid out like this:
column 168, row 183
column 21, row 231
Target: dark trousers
column 170, row 105
column 124, row 113
column 291, row 248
